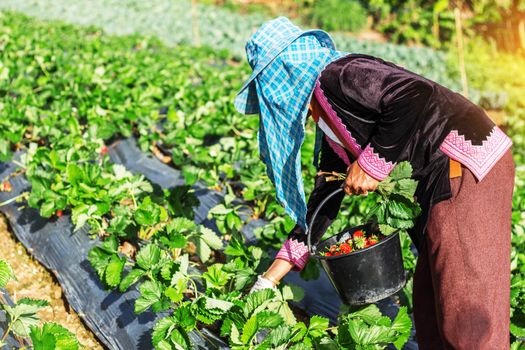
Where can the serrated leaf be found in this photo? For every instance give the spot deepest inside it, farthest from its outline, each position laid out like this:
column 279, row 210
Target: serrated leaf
column 150, row 293
column 249, row 329
column 62, row 339
column 386, row 229
column 406, row 188
column 167, row 269
column 268, row 319
column 293, row 292
column 402, row 325
column 399, row 210
column 398, row 223
column 402, row 170
column 180, row 225
column 6, row 273
column 148, row 257
column 40, row 340
column 215, row 277
column 220, row 209
column 257, row 300
column 212, row 303
column 301, row 346
column 368, row 313
column 211, row 238
column 203, row 250
column 299, row 331
column 235, row 337
column 99, row 259
column 23, row 315
column 184, row 317
column 235, row 248
column 279, row 336
column 161, row 329
column 318, row 326
column 131, row 278
column 244, row 277
column 113, row 273
column 184, row 263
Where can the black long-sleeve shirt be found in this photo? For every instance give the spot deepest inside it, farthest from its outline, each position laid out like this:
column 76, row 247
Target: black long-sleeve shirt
column 382, row 114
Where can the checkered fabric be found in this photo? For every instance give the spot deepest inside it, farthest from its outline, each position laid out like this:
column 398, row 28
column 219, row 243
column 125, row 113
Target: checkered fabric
column 267, row 43
column 280, row 92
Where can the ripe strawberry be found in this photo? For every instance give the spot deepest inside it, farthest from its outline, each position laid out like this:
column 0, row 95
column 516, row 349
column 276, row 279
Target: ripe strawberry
column 328, row 254
column 58, row 213
column 104, row 150
column 345, row 248
column 358, row 234
column 337, row 253
column 6, row 186
column 373, row 239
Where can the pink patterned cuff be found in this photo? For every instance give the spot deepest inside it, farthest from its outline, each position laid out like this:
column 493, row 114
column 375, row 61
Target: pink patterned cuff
column 295, row 252
column 374, row 165
column 479, row 159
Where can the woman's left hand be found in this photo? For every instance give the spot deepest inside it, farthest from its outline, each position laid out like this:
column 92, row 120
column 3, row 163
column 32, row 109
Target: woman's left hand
column 358, row 181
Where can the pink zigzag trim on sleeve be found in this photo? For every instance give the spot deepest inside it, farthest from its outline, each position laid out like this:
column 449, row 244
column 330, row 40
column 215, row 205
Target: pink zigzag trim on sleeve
column 336, row 123
column 295, row 252
column 374, row 165
column 479, row 159
column 339, row 150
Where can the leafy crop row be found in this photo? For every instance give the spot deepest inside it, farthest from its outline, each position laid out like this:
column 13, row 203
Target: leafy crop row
column 173, row 22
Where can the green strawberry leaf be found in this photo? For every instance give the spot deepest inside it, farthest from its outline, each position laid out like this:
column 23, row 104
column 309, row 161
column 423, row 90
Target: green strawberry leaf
column 6, row 273
column 113, row 273
column 148, row 256
column 131, row 278
column 150, row 294
column 55, row 334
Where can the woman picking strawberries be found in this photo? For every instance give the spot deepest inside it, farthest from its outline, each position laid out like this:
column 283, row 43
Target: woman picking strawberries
column 372, row 114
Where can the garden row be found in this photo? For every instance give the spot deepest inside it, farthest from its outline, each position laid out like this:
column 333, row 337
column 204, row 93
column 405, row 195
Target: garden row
column 67, row 92
column 176, row 22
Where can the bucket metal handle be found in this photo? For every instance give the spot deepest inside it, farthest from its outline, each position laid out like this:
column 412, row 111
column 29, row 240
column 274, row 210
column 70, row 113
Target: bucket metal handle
column 316, row 212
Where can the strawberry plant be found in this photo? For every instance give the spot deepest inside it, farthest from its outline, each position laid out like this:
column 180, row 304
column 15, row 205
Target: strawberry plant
column 23, row 321
column 395, row 207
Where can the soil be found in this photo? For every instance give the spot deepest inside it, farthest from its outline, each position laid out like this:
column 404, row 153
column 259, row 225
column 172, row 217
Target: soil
column 34, row 281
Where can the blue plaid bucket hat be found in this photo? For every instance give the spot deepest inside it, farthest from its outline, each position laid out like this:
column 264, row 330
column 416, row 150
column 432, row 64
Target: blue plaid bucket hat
column 286, row 62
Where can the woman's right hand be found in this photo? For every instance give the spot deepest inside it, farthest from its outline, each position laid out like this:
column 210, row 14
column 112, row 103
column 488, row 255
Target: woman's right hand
column 262, row 283
column 273, row 275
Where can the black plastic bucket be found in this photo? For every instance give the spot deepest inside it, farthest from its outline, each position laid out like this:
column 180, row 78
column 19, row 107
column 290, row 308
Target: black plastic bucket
column 364, row 276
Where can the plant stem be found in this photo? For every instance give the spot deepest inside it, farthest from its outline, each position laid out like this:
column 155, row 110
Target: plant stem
column 14, row 199
column 6, row 332
column 18, row 163
column 194, row 287
column 134, row 200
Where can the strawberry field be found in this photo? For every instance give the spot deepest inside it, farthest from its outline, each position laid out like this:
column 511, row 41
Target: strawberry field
column 183, row 238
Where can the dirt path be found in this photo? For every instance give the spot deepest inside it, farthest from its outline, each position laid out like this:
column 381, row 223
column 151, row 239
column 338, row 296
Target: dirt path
column 34, row 281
